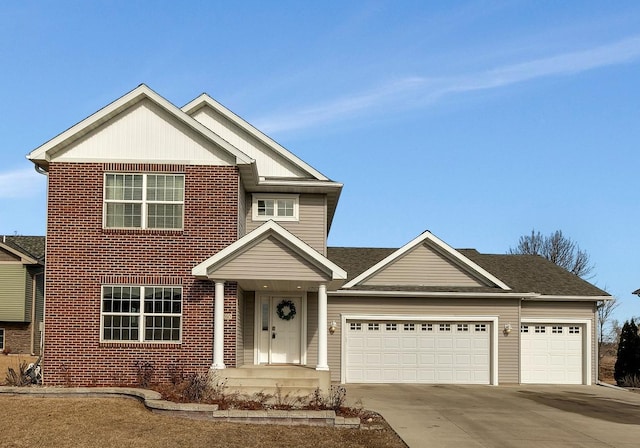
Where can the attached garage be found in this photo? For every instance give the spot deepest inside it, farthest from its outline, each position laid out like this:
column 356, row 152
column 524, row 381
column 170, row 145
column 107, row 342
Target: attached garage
column 553, row 353
column 418, row 351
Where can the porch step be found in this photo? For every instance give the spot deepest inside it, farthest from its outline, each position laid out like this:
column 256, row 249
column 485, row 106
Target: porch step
column 285, row 380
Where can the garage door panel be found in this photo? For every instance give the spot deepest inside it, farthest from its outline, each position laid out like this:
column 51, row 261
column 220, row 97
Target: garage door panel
column 551, row 354
column 418, row 352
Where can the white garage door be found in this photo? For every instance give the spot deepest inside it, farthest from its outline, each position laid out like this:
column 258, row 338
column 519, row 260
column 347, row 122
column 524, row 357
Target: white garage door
column 418, row 352
column 551, row 353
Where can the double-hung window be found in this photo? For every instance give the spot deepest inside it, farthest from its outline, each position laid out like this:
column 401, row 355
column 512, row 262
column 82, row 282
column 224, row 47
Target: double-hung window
column 141, row 313
column 276, row 207
column 143, row 201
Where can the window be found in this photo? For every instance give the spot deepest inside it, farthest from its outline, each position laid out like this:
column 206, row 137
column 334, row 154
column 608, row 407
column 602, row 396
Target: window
column 409, row 327
column 574, row 330
column 355, row 326
column 463, row 327
column 372, row 326
column 524, row 329
column 445, row 327
column 141, row 313
column 143, row 201
column 556, row 329
column 1, row 338
column 278, row 208
column 391, row 327
column 480, row 327
column 427, row 327
column 540, row 329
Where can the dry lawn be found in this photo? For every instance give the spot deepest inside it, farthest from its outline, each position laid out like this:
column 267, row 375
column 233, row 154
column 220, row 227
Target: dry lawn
column 13, row 361
column 117, row 422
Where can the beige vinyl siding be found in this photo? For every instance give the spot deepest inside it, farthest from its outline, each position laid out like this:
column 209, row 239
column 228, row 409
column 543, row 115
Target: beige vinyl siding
column 423, row 266
column 566, row 310
column 13, row 289
column 507, row 311
column 312, row 329
column 146, row 132
column 270, row 260
column 268, row 162
column 7, row 256
column 248, row 325
column 311, row 226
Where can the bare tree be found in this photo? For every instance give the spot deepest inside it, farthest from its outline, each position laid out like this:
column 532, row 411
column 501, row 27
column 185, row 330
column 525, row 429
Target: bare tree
column 605, row 311
column 556, row 248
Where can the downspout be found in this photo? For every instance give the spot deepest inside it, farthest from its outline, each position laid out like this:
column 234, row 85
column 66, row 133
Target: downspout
column 34, row 328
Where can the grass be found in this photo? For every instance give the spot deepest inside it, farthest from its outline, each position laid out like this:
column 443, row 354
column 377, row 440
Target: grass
column 116, row 422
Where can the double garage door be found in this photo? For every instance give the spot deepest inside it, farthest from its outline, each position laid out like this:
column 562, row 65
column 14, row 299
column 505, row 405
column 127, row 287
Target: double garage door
column 418, row 352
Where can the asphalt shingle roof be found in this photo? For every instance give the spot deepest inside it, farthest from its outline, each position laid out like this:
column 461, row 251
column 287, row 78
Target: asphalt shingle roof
column 522, row 273
column 33, row 246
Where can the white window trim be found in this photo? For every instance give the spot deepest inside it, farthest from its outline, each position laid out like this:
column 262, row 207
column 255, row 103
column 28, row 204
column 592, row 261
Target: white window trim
column 141, row 315
column 491, row 320
column 275, row 197
column 143, row 202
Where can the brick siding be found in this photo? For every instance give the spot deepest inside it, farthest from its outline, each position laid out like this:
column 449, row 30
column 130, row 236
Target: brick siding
column 17, row 337
column 82, row 256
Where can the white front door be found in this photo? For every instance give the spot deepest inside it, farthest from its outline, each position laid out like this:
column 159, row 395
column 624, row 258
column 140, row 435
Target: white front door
column 280, row 338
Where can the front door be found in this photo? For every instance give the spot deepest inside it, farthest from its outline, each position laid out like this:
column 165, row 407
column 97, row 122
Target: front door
column 280, row 330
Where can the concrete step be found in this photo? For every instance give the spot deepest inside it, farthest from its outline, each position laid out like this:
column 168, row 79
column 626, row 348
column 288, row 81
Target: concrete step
column 292, row 380
column 271, row 382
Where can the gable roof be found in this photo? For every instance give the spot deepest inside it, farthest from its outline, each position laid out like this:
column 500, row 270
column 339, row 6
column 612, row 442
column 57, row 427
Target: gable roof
column 266, row 230
column 446, row 251
column 30, row 249
column 205, row 101
column 44, row 153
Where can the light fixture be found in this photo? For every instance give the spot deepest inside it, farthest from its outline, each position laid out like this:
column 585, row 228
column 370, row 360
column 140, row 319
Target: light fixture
column 333, row 326
column 507, row 329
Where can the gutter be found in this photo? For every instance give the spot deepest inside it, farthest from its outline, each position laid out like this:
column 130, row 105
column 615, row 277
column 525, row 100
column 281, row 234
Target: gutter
column 470, row 295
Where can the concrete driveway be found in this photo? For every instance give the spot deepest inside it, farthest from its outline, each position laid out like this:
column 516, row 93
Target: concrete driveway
column 505, row 416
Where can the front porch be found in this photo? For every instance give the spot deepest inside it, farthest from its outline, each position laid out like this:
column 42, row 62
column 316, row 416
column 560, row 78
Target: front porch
column 294, row 381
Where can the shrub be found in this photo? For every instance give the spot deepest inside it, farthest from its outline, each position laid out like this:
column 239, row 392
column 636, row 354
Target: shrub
column 20, row 378
column 628, row 360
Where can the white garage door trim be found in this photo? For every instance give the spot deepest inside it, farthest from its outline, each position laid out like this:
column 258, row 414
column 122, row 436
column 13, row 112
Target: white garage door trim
column 586, row 342
column 492, row 320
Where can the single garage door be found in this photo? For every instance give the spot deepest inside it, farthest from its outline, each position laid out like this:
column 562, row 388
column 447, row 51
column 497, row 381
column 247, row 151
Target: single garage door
column 551, row 353
column 417, row 352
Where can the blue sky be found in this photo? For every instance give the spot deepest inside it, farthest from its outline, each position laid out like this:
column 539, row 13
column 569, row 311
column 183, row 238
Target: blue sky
column 476, row 120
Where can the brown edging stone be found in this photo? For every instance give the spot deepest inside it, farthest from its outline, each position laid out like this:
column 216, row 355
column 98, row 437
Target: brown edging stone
column 154, row 402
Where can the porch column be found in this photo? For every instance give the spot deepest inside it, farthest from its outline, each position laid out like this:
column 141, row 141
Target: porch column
column 218, row 327
column 322, row 328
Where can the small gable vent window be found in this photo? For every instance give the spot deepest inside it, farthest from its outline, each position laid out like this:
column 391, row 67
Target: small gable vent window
column 143, row 201
column 278, row 208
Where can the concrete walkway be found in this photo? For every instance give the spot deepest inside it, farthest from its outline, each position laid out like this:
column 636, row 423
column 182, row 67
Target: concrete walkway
column 506, row 416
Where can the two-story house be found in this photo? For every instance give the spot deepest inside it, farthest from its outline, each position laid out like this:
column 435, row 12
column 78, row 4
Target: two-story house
column 21, row 293
column 187, row 237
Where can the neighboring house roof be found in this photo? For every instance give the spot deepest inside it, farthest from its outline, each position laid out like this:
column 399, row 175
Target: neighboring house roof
column 524, row 274
column 636, row 292
column 31, row 246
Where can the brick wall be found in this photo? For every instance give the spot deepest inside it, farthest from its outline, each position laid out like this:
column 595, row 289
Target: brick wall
column 81, row 256
column 17, row 337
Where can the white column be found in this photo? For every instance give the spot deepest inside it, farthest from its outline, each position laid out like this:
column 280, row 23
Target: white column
column 218, row 327
column 322, row 328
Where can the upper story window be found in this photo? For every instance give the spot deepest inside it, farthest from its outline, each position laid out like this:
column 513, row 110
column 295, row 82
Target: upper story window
column 144, row 201
column 278, row 208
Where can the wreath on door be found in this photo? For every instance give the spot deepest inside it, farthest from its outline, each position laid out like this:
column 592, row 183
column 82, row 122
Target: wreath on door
column 290, row 308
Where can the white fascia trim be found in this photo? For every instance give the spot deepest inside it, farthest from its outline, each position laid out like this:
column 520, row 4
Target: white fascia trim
column 24, row 259
column 337, row 273
column 418, row 294
column 299, row 183
column 586, row 340
column 141, row 92
column 493, row 320
column 427, row 236
column 541, row 297
column 205, row 99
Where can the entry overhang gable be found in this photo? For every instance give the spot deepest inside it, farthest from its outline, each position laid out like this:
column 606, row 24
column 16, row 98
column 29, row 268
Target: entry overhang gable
column 270, row 252
column 450, row 254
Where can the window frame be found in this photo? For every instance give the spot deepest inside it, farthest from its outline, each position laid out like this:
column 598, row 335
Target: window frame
column 141, row 315
column 144, row 202
column 275, row 197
